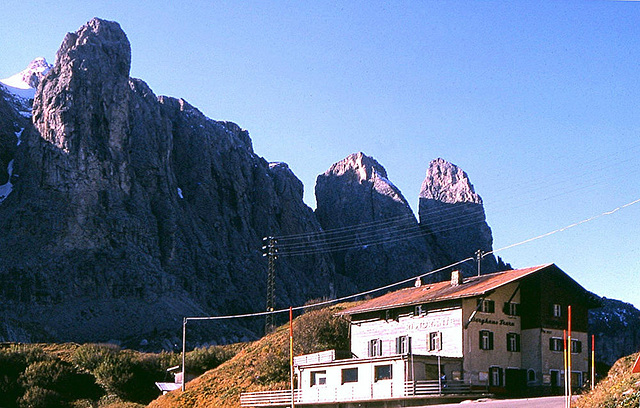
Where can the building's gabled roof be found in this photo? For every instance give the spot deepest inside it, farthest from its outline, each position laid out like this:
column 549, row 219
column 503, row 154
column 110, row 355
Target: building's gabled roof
column 443, row 291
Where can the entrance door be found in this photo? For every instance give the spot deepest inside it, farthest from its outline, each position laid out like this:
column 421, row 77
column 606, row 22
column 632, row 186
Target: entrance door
column 515, row 381
column 555, row 381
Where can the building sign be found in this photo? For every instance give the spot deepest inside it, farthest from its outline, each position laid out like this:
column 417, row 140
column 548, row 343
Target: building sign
column 446, row 323
column 435, row 321
column 500, row 322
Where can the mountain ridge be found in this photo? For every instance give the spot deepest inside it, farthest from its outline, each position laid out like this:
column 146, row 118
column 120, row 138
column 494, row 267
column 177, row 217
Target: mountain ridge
column 127, row 211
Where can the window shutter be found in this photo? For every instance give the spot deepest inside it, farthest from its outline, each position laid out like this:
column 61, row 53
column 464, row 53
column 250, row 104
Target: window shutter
column 481, row 345
column 439, row 340
column 398, row 345
column 371, row 348
column 490, row 340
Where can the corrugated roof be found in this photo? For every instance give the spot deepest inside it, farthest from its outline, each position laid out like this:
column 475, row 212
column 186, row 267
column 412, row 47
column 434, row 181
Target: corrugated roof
column 441, row 291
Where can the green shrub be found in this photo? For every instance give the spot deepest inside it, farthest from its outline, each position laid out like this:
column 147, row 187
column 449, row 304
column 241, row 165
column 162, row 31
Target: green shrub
column 61, row 378
column 37, row 397
column 12, row 364
column 203, row 359
column 273, row 368
column 89, row 356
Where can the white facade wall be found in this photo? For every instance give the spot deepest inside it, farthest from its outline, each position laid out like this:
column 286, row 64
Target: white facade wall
column 367, row 386
column 448, row 322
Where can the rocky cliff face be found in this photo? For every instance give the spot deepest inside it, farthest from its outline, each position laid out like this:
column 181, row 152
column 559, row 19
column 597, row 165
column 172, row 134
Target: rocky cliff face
column 12, row 125
column 616, row 326
column 451, row 212
column 132, row 211
column 378, row 239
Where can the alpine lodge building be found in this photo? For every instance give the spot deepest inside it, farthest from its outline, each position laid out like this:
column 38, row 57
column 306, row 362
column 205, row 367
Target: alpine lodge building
column 499, row 333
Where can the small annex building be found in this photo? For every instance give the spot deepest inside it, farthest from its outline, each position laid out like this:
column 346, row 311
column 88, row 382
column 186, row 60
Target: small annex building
column 499, row 333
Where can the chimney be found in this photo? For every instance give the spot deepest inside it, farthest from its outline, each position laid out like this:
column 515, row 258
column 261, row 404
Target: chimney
column 456, row 278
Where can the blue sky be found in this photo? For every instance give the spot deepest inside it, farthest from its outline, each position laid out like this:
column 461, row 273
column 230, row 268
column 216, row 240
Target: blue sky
column 537, row 101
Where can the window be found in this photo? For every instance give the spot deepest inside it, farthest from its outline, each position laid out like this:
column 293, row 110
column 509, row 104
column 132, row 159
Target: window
column 418, row 310
column 576, row 379
column 382, row 372
column 511, row 309
column 486, row 306
column 435, row 341
column 486, row 340
column 495, row 376
column 403, row 345
column 576, row 346
column 555, row 344
column 375, row 348
column 318, row 378
column 531, row 375
column 349, row 375
column 556, row 310
column 513, row 342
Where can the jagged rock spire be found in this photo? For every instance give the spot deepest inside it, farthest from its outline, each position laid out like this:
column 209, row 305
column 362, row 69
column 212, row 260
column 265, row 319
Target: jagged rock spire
column 448, row 183
column 355, row 192
column 452, row 213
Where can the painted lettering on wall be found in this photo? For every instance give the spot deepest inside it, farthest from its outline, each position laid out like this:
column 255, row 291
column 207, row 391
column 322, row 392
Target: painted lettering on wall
column 500, row 322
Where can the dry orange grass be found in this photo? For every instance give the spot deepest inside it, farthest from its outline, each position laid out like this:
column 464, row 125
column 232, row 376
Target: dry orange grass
column 261, row 365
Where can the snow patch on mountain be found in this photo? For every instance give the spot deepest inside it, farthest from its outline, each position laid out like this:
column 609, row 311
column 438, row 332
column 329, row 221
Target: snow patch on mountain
column 7, row 188
column 24, row 83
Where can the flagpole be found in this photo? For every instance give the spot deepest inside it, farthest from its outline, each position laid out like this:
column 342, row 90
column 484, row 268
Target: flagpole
column 291, row 354
column 593, row 361
column 564, row 362
column 569, row 356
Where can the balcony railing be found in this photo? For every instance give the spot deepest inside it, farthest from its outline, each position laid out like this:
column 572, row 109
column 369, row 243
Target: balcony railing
column 431, row 387
column 347, row 393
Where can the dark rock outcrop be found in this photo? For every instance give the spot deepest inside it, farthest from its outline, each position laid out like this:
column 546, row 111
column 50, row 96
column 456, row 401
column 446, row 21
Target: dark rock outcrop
column 133, row 211
column 12, row 125
column 451, row 212
column 376, row 239
column 616, row 326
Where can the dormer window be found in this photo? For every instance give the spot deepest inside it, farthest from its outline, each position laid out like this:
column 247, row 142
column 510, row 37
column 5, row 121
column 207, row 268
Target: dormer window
column 556, row 310
column 418, row 311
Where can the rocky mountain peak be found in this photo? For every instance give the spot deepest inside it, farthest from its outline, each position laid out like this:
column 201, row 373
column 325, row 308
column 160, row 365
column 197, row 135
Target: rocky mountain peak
column 99, row 45
column 448, row 183
column 360, row 166
column 452, row 214
column 24, row 83
column 355, row 192
column 81, row 108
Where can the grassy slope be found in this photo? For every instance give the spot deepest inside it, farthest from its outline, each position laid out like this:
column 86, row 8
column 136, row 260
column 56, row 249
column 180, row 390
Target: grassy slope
column 620, row 388
column 262, row 365
column 140, row 369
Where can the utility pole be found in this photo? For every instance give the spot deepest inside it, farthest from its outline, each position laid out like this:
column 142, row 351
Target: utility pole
column 479, row 254
column 270, row 250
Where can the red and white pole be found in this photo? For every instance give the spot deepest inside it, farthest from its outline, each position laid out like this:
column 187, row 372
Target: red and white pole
column 569, row 357
column 291, row 355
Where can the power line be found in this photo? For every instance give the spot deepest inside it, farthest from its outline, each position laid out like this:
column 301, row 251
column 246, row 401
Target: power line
column 344, row 298
column 575, row 224
column 415, row 231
